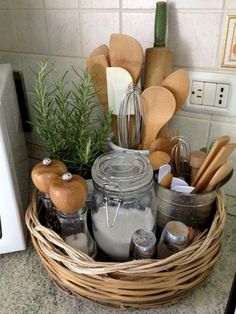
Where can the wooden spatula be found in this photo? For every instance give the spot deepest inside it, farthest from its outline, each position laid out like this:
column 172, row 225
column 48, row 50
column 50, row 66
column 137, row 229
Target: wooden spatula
column 158, row 108
column 218, row 144
column 101, row 50
column 178, row 83
column 96, row 66
column 220, row 174
column 126, row 52
column 218, row 161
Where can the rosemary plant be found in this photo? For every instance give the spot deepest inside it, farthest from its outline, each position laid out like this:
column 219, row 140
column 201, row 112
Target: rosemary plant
column 67, row 119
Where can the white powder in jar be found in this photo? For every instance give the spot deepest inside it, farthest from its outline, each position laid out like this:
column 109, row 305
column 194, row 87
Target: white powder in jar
column 115, row 241
column 78, row 241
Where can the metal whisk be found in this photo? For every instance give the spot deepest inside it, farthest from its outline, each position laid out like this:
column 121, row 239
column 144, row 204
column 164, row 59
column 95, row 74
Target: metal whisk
column 130, row 121
column 180, row 154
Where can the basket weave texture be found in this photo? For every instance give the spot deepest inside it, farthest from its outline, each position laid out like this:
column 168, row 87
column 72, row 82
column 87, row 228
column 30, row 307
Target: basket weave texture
column 133, row 284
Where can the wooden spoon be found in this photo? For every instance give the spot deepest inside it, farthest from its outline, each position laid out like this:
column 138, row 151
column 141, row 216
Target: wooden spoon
column 178, row 84
column 166, row 181
column 161, row 143
column 158, row 159
column 96, row 66
column 220, row 174
column 218, row 161
column 218, row 144
column 100, row 50
column 126, row 52
column 158, row 108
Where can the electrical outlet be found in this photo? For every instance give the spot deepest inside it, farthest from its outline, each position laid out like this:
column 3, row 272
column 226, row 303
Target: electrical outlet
column 214, row 93
column 221, row 97
column 196, row 92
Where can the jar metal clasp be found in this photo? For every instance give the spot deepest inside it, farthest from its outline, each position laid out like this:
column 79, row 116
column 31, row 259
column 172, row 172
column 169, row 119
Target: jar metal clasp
column 118, row 200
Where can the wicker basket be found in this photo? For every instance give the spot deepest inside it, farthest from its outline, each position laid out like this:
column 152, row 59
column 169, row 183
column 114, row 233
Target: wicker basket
column 134, row 284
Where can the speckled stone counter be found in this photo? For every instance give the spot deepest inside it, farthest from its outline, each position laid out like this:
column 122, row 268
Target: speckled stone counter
column 25, row 286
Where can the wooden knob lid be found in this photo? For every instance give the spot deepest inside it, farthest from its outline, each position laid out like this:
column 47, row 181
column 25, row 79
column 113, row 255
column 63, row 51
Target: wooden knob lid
column 45, row 171
column 68, row 192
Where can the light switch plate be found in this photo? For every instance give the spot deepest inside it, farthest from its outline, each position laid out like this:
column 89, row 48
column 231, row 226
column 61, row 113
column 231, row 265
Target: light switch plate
column 221, row 79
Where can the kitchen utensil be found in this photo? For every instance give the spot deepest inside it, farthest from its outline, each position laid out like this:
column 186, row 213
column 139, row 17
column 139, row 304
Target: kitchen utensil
column 158, row 60
column 101, row 50
column 180, row 153
column 158, row 107
column 196, row 160
column 177, row 182
column 166, row 181
column 217, row 145
column 218, row 161
column 143, row 244
column 96, row 66
column 174, row 238
column 118, row 80
column 183, row 189
column 161, row 143
column 130, row 121
column 178, row 84
column 220, row 174
column 163, row 171
column 126, row 52
column 158, row 159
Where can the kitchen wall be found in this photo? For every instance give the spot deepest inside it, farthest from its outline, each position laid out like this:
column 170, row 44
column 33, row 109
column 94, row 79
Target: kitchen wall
column 66, row 32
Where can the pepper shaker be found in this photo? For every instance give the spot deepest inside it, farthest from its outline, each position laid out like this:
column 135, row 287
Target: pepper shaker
column 69, row 194
column 42, row 174
column 143, row 244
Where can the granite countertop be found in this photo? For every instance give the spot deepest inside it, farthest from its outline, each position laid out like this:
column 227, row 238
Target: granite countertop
column 25, row 286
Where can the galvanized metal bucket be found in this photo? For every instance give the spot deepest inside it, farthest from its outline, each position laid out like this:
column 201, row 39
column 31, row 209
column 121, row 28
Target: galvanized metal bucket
column 194, row 210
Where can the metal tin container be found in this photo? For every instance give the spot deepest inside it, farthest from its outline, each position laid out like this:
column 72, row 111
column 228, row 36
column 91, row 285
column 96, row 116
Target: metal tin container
column 192, row 209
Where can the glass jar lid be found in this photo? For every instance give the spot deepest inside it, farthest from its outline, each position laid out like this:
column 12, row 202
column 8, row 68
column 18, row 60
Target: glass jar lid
column 123, row 171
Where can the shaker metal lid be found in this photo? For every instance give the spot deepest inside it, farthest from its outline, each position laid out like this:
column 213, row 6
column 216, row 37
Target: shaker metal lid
column 122, row 171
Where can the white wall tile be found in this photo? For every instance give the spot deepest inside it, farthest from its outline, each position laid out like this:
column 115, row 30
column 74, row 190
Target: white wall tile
column 97, row 28
column 194, row 38
column 27, row 4
column 140, row 26
column 230, row 4
column 101, row 4
column 61, row 4
column 11, row 58
column 199, row 4
column 31, row 31
column 7, row 34
column 5, row 4
column 194, row 131
column 230, row 189
column 218, row 129
column 139, row 4
column 64, row 33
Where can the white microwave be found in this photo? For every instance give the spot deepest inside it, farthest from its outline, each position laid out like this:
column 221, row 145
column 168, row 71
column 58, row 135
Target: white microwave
column 14, row 167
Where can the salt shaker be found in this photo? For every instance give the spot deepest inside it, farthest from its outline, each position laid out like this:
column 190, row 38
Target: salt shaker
column 69, row 193
column 143, row 244
column 42, row 174
column 174, row 238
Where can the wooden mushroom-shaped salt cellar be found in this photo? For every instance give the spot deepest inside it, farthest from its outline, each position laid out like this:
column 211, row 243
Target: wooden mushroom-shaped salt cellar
column 44, row 172
column 68, row 192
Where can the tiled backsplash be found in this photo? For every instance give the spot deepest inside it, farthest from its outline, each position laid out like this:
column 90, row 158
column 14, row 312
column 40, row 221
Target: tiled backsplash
column 66, row 32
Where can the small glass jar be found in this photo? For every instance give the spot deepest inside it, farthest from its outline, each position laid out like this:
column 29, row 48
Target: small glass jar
column 124, row 201
column 75, row 233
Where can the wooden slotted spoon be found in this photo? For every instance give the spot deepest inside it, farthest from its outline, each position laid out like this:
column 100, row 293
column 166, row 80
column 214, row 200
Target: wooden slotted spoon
column 158, row 108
